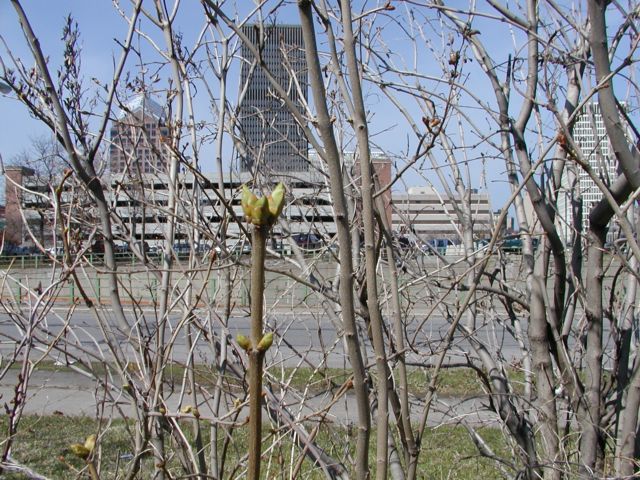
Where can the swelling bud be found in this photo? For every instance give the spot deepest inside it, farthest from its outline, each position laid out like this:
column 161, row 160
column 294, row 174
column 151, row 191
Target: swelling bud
column 90, row 443
column 83, row 451
column 260, row 214
column 263, row 211
column 244, row 342
column 265, row 342
column 80, row 450
column 276, row 200
column 248, row 200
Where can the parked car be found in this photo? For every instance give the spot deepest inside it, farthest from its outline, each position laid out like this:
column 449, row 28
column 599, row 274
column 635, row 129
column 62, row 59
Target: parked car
column 307, row 241
column 203, row 248
column 234, row 247
column 97, row 247
column 437, row 246
column 16, row 251
column 122, row 248
column 405, row 243
column 514, row 244
column 55, row 251
column 182, row 248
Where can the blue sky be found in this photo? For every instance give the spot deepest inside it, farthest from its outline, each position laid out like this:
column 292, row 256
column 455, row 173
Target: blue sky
column 47, row 19
column 100, row 24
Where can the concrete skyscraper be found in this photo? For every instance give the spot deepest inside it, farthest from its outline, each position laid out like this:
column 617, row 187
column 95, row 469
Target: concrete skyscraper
column 273, row 137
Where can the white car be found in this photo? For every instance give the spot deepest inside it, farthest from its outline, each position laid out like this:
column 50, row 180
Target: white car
column 55, row 251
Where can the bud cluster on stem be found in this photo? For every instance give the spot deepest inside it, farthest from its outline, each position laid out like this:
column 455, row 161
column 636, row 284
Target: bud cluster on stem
column 85, row 452
column 262, row 213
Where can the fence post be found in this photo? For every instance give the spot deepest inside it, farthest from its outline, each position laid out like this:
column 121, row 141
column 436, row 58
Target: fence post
column 154, row 290
column 244, row 293
column 212, row 286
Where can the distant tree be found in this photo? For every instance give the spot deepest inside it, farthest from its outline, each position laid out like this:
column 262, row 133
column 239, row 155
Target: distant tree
column 47, row 159
column 45, row 156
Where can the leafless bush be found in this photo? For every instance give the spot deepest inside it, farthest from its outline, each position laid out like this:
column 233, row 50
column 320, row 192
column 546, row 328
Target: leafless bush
column 548, row 326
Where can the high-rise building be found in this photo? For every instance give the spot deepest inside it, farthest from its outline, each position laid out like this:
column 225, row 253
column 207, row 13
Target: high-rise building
column 137, row 138
column 590, row 135
column 273, row 138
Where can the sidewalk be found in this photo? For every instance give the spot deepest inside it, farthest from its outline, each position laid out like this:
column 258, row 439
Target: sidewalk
column 68, row 393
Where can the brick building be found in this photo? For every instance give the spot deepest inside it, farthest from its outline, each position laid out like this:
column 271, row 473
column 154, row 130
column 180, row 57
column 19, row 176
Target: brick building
column 15, row 229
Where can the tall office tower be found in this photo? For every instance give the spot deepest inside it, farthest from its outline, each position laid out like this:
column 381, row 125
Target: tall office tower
column 589, row 133
column 273, row 137
column 137, row 145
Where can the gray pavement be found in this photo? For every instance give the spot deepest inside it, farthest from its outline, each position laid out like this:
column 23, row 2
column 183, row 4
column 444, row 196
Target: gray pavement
column 71, row 394
column 297, row 334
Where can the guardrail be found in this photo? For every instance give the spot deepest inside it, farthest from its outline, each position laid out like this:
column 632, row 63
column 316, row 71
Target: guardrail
column 40, row 260
column 36, row 261
column 141, row 288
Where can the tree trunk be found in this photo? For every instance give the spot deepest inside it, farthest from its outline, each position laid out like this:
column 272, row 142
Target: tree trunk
column 332, row 157
column 368, row 223
column 591, row 441
column 542, row 366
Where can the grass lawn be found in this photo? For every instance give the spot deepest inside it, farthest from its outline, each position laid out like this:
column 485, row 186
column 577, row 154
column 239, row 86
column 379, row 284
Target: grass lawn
column 453, row 382
column 43, row 445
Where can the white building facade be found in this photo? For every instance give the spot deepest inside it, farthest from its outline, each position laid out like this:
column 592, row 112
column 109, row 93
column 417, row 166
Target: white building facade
column 578, row 192
column 431, row 215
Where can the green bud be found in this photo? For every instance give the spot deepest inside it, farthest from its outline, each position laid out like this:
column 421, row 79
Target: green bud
column 90, row 443
column 244, row 342
column 248, row 200
column 263, row 211
column 265, row 342
column 260, row 214
column 276, row 201
column 80, row 450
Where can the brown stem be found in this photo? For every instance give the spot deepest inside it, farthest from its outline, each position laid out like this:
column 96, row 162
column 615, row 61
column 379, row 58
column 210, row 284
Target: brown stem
column 93, row 471
column 256, row 357
column 332, row 157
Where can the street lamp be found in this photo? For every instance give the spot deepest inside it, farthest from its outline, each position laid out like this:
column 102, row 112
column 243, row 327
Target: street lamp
column 4, row 88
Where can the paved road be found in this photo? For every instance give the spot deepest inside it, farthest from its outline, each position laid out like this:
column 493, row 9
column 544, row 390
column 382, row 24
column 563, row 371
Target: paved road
column 301, row 337
column 298, row 334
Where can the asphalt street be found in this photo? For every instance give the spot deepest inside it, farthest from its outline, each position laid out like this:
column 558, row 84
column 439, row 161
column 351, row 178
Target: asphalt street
column 301, row 339
column 298, row 336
